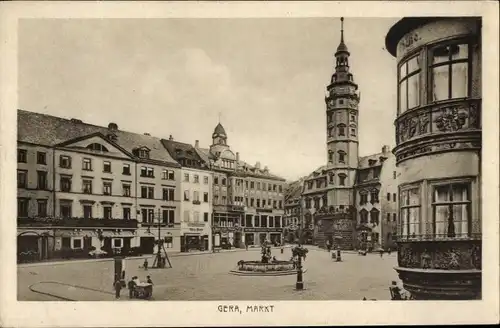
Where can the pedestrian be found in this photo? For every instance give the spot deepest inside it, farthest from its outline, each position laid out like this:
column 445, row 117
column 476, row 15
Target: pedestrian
column 131, row 288
column 118, row 288
column 381, row 252
column 389, row 251
column 246, row 246
column 146, row 264
column 150, row 287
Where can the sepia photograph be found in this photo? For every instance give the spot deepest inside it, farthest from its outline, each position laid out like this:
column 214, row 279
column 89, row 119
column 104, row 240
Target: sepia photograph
column 249, row 160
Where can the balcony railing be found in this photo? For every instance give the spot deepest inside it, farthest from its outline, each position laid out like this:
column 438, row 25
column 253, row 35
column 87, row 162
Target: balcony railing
column 437, row 237
column 76, row 222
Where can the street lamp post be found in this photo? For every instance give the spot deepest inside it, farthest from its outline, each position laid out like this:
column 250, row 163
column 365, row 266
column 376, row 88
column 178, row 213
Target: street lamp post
column 299, row 285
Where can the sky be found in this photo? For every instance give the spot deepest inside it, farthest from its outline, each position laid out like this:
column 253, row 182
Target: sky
column 265, row 78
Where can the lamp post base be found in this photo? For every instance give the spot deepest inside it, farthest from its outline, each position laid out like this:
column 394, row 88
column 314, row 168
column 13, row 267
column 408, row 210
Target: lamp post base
column 299, row 285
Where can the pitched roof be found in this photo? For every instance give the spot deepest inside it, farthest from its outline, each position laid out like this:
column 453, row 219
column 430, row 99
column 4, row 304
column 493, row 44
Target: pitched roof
column 204, row 154
column 294, row 189
column 364, row 162
column 181, row 151
column 43, row 129
column 258, row 173
column 219, row 129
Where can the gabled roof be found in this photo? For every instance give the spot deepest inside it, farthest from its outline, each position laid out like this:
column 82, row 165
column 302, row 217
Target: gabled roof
column 294, row 189
column 43, row 129
column 204, row 154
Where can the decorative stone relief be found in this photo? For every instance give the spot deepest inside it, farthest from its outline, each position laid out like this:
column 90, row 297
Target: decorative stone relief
column 450, row 119
column 450, row 255
column 474, row 116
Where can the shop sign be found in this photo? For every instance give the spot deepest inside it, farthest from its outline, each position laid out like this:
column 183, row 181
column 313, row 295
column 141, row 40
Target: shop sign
column 196, row 224
column 195, row 229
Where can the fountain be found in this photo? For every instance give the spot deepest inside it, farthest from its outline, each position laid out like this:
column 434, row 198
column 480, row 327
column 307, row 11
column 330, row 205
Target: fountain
column 267, row 266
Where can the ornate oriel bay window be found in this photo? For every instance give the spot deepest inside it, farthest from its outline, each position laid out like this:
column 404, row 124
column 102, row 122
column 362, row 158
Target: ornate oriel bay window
column 438, row 150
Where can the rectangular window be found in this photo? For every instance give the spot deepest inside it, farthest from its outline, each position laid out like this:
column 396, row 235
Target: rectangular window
column 205, row 217
column 451, row 210
column 65, row 184
column 196, row 216
column 151, row 192
column 147, row 172
column 65, row 162
column 394, row 217
column 410, row 212
column 87, row 211
column 87, row 164
column 224, row 202
column 126, row 190
column 87, row 186
column 107, row 212
column 42, row 180
column 22, row 207
column 186, row 195
column 393, row 197
column 41, row 157
column 22, row 179
column 77, row 243
column 388, row 217
column 187, row 216
column 65, row 210
column 205, row 180
column 126, row 213
column 164, row 174
column 117, row 243
column 409, row 84
column 168, row 194
column 342, row 180
column 449, row 71
column 196, row 196
column 388, row 196
column 22, row 156
column 216, row 180
column 186, row 177
column 106, row 188
column 42, row 208
column 171, row 175
column 205, row 197
column 196, row 179
column 106, row 167
column 126, row 169
column 144, row 192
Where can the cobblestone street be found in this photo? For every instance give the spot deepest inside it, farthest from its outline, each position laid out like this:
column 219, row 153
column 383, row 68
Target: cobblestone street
column 206, row 277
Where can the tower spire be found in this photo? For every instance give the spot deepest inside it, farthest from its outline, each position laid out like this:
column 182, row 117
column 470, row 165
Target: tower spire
column 342, row 29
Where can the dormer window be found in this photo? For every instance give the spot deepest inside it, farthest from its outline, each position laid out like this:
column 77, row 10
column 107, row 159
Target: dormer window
column 371, row 162
column 143, row 153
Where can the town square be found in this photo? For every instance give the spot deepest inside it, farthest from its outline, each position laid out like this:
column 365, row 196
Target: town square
column 237, row 159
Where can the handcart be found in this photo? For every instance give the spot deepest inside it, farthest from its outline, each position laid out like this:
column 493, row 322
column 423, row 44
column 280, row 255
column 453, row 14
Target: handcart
column 143, row 290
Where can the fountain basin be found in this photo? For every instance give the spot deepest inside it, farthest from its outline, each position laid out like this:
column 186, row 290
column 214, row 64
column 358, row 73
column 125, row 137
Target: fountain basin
column 257, row 268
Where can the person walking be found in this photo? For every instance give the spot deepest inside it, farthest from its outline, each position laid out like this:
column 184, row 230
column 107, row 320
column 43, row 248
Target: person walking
column 145, row 265
column 131, row 288
column 118, row 288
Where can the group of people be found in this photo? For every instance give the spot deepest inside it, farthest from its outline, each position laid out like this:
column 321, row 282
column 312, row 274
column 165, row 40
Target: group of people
column 136, row 288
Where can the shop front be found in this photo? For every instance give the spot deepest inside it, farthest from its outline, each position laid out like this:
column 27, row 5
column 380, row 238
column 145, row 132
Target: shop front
column 195, row 236
column 260, row 235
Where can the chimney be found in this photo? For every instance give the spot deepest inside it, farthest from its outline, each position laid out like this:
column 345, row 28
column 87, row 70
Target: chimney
column 146, row 134
column 196, row 144
column 170, row 138
column 257, row 165
column 386, row 149
column 237, row 156
column 113, row 126
column 266, row 169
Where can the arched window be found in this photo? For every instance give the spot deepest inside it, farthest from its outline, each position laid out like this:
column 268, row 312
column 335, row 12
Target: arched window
column 97, row 146
column 330, row 156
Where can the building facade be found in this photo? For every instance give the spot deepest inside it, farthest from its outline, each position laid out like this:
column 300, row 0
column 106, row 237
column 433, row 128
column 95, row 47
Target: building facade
column 247, row 200
column 294, row 223
column 196, row 197
column 82, row 186
column 342, row 200
column 376, row 201
column 438, row 127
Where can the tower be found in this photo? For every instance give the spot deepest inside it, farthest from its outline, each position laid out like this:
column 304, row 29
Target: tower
column 342, row 101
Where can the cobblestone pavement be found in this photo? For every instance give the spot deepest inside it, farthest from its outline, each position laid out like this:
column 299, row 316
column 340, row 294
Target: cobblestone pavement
column 206, row 277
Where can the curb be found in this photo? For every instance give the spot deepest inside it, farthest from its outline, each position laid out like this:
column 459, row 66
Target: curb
column 176, row 254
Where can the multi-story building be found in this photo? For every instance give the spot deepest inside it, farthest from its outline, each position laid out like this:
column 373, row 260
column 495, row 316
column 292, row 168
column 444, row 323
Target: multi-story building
column 376, row 200
column 264, row 205
column 335, row 196
column 294, row 223
column 196, row 197
column 438, row 154
column 247, row 201
column 82, row 186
